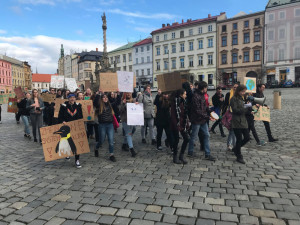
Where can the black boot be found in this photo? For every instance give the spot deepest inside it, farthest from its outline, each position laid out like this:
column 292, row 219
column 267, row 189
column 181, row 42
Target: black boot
column 125, row 147
column 175, row 159
column 221, row 130
column 182, row 159
column 133, row 153
column 96, row 153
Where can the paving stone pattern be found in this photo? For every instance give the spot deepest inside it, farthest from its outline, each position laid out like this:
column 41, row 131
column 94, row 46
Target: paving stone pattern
column 150, row 189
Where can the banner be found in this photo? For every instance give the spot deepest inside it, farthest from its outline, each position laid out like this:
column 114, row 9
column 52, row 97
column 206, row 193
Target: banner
column 250, row 83
column 71, row 84
column 19, row 92
column 108, row 82
column 135, row 114
column 12, row 105
column 4, row 97
column 64, row 140
column 87, row 110
column 169, row 82
column 125, row 81
column 58, row 102
column 263, row 114
column 57, row 81
column 47, row 97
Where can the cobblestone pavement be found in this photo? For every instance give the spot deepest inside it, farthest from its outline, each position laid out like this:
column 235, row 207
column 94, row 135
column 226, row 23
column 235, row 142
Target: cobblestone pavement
column 149, row 189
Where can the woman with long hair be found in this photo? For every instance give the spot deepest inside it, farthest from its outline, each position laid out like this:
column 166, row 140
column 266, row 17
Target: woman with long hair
column 35, row 105
column 88, row 93
column 129, row 130
column 239, row 122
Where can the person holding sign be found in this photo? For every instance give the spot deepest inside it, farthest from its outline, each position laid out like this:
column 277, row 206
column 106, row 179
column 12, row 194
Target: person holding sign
column 70, row 111
column 36, row 107
column 218, row 101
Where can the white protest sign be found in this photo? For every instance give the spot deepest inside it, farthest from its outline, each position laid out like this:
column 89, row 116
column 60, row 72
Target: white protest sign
column 57, row 81
column 125, row 81
column 135, row 114
column 71, row 84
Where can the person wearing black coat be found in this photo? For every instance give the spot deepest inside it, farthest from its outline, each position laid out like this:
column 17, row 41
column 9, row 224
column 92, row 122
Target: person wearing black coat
column 24, row 112
column 218, row 101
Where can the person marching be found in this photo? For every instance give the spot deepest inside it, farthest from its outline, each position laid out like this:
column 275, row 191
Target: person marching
column 218, row 100
column 24, row 111
column 70, row 111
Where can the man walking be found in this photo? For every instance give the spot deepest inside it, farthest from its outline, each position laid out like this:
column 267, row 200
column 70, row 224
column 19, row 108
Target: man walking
column 218, row 101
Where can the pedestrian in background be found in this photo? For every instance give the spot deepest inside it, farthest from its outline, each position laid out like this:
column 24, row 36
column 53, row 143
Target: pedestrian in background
column 24, row 112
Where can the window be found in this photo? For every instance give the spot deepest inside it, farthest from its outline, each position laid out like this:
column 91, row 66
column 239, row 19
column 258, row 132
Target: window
column 148, row 59
column 191, row 45
column 124, row 68
column 158, row 51
column 297, row 31
column 173, row 63
column 224, row 28
column 200, row 43
column 148, row 71
column 136, row 50
column 210, row 42
column 111, row 60
column 173, row 35
column 281, row 54
column 157, row 38
column 257, row 55
column 224, row 58
column 234, row 26
column 234, row 39
column 281, row 33
column 297, row 12
column 270, row 56
column 148, row 47
column 271, row 35
column 200, row 30
column 282, row 15
column 210, row 28
column 124, row 58
column 130, row 68
column 246, row 56
column 182, row 47
column 142, row 49
column 182, row 34
column 137, row 73
column 210, row 59
column 166, row 51
column 234, row 57
column 173, row 48
column 165, row 65
column 143, row 73
column 165, row 37
column 257, row 36
column 257, row 22
column 130, row 57
column 157, row 65
column 210, row 78
column 142, row 60
column 246, row 38
column 200, row 60
column 190, row 32
column 224, row 41
column 191, row 62
column 182, row 63
column 271, row 17
column 136, row 61
column 246, row 24
column 297, row 53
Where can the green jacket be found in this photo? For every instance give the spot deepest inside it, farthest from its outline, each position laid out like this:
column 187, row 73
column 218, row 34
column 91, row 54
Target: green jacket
column 238, row 113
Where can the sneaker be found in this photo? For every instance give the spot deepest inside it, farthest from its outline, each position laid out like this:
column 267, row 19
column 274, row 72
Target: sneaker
column 18, row 122
column 112, row 158
column 223, row 135
column 273, row 139
column 35, row 140
column 68, row 158
column 261, row 143
column 77, row 163
column 159, row 148
column 192, row 154
column 144, row 141
column 210, row 158
column 229, row 148
column 25, row 135
column 125, row 147
column 133, row 153
column 153, row 142
column 241, row 160
column 213, row 131
column 28, row 136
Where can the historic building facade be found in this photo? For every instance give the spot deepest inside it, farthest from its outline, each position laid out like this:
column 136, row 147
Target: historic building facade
column 61, row 61
column 17, row 71
column 27, row 75
column 41, row 81
column 5, row 76
column 68, row 66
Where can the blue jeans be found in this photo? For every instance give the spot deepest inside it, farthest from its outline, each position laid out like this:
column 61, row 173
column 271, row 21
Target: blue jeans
column 106, row 129
column 129, row 130
column 205, row 135
column 25, row 120
column 231, row 138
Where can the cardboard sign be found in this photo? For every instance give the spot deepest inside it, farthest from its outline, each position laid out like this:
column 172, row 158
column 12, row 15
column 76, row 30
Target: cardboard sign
column 12, row 105
column 87, row 97
column 47, row 97
column 169, row 82
column 57, row 81
column 19, row 92
column 250, row 83
column 108, row 82
column 135, row 114
column 87, row 110
column 58, row 102
column 63, row 140
column 71, row 84
column 263, row 114
column 125, row 81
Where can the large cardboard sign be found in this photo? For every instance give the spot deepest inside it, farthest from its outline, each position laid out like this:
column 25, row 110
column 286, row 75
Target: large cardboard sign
column 47, row 97
column 87, row 110
column 125, row 81
column 58, row 102
column 12, row 105
column 63, row 140
column 135, row 114
column 108, row 82
column 71, row 84
column 263, row 114
column 169, row 82
column 250, row 83
column 19, row 92
column 4, row 97
column 57, row 81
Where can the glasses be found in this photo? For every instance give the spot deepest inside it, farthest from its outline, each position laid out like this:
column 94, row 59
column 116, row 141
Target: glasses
column 104, row 97
column 34, row 92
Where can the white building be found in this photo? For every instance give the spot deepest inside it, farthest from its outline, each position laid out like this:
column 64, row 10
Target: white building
column 74, row 65
column 68, row 66
column 142, row 61
column 41, row 81
column 189, row 47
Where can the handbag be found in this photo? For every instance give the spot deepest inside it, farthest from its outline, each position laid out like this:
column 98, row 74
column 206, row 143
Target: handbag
column 226, row 120
column 115, row 123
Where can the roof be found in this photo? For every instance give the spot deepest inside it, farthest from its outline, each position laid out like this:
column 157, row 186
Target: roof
column 275, row 3
column 124, row 47
column 242, row 15
column 43, row 78
column 185, row 24
column 11, row 60
column 143, row 42
column 90, row 56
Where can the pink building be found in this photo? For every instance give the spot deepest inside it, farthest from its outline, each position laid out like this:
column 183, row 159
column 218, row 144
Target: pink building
column 5, row 77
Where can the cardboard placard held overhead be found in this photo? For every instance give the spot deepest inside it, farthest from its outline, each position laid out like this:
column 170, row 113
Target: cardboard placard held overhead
column 250, row 83
column 19, row 92
column 125, row 81
column 12, row 105
column 58, row 102
column 63, row 140
column 71, row 84
column 263, row 114
column 47, row 97
column 169, row 82
column 57, row 81
column 108, row 82
column 88, row 112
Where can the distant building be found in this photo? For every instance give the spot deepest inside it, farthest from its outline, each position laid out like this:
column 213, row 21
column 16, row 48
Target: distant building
column 74, row 66
column 5, row 76
column 68, row 66
column 27, row 75
column 61, row 61
column 41, row 81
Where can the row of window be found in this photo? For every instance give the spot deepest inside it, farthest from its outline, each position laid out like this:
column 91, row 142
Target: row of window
column 282, row 15
column 5, row 81
column 246, row 57
column 142, row 60
column 182, row 62
column 281, row 54
column 191, row 32
column 234, row 38
column 142, row 49
column 6, row 73
column 43, row 85
column 118, row 58
column 281, row 33
column 5, row 65
column 142, row 72
column 246, row 25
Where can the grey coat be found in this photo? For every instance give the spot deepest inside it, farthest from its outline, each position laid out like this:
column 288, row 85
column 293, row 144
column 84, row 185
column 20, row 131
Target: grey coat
column 238, row 113
column 148, row 106
column 31, row 108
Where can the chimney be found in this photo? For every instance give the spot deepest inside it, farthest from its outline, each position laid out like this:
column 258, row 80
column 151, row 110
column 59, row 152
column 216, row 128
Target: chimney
column 209, row 15
column 168, row 24
column 222, row 13
column 163, row 25
column 182, row 20
column 96, row 49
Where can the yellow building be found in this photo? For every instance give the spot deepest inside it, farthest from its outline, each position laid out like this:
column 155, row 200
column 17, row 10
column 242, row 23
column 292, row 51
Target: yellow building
column 28, row 75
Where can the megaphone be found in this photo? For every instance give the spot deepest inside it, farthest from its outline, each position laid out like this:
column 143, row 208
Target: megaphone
column 260, row 101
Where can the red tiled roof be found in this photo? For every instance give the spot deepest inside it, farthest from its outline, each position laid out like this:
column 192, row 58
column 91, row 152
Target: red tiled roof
column 144, row 42
column 44, row 78
column 188, row 23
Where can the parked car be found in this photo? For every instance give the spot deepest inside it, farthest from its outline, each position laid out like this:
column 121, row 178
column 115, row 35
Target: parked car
column 297, row 83
column 223, row 86
column 288, row 84
column 211, row 87
column 272, row 84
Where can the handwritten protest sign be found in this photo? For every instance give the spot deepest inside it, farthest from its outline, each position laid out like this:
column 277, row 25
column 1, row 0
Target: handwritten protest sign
column 57, row 81
column 87, row 97
column 71, row 84
column 4, row 97
column 135, row 114
column 12, row 105
column 250, row 83
column 19, row 92
column 63, row 140
column 169, row 82
column 47, row 97
column 58, row 102
column 125, row 81
column 108, row 82
column 88, row 112
column 263, row 114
